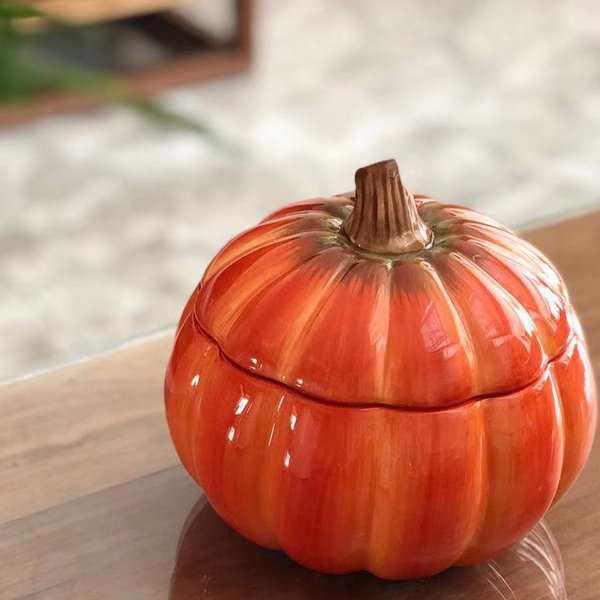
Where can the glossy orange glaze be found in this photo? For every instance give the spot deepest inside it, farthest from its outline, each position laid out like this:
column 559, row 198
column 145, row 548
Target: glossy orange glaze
column 398, row 414
column 401, row 493
column 291, row 300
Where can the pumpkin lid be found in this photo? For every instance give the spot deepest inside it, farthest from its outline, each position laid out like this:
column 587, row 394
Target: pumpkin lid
column 384, row 298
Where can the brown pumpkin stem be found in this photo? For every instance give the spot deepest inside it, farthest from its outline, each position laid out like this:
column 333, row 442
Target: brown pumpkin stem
column 385, row 218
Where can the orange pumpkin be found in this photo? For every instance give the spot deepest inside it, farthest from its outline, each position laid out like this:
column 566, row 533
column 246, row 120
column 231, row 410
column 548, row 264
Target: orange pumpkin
column 380, row 381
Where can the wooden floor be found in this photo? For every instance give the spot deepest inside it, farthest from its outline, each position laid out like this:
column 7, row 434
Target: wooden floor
column 93, row 503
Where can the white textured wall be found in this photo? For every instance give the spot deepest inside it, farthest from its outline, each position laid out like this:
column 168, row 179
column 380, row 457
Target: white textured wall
column 106, row 223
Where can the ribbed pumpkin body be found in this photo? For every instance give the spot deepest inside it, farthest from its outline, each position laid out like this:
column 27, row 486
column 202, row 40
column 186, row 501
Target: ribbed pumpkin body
column 399, row 414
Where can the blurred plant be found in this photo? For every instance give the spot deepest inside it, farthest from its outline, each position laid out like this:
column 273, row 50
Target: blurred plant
column 24, row 76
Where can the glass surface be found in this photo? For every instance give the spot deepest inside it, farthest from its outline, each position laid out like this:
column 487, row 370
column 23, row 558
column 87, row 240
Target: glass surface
column 157, row 537
column 532, row 569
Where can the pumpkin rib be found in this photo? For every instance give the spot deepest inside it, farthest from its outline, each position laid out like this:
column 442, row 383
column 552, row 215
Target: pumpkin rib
column 328, row 207
column 230, row 253
column 370, row 544
column 303, row 331
column 462, row 225
column 533, row 472
column 538, row 298
column 573, row 373
column 256, row 289
column 253, row 302
column 273, row 243
column 561, row 418
column 548, row 278
column 503, row 298
column 265, row 477
column 340, row 307
column 465, row 339
column 566, row 466
column 534, row 256
column 482, row 507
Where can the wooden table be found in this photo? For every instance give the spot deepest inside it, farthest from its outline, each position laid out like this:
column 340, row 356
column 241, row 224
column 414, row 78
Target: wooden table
column 93, row 502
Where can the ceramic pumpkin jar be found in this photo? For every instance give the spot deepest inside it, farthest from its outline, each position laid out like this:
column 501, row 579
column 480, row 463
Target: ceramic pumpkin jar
column 381, row 381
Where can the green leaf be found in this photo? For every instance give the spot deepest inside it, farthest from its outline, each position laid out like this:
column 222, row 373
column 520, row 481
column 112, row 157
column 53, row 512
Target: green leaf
column 9, row 11
column 24, row 77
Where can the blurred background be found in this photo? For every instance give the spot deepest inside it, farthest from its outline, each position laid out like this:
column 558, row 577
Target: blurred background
column 138, row 136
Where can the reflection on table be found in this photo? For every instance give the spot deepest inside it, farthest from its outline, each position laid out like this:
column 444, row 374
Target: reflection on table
column 215, row 562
